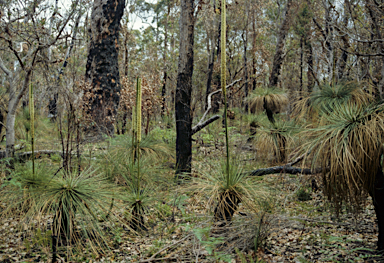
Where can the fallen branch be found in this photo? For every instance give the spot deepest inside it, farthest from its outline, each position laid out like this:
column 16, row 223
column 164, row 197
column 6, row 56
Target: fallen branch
column 287, row 168
column 201, row 124
column 284, row 169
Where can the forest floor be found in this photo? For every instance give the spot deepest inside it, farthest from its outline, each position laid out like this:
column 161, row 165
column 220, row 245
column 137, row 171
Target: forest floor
column 298, row 226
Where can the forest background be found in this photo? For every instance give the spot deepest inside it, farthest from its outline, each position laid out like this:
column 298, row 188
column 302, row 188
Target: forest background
column 288, row 65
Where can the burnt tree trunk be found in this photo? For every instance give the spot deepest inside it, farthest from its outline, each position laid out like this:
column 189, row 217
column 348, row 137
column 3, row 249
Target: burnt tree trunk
column 165, row 78
column 301, row 64
column 377, row 194
column 245, row 43
column 184, row 90
column 278, row 57
column 102, row 69
column 310, row 72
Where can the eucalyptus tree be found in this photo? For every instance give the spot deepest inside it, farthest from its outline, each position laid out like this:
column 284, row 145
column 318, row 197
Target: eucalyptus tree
column 184, row 89
column 102, row 70
column 282, row 34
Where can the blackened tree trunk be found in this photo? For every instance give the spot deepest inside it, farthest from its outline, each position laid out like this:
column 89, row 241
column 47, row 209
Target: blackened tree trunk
column 184, row 90
column 278, row 57
column 377, row 195
column 301, row 63
column 245, row 43
column 342, row 63
column 102, row 69
column 310, row 72
column 165, row 78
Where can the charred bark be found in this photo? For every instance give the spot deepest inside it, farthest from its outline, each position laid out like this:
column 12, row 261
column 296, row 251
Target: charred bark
column 184, row 90
column 310, row 72
column 278, row 57
column 137, row 221
column 377, row 194
column 226, row 208
column 102, row 69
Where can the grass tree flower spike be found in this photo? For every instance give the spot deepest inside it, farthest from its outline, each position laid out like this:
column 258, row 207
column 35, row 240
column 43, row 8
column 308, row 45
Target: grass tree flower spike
column 32, row 120
column 223, row 78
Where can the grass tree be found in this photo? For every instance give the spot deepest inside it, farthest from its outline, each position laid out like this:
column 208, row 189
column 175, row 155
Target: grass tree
column 225, row 183
column 137, row 208
column 275, row 138
column 349, row 149
column 327, row 96
column 138, row 191
column 77, row 203
column 271, row 100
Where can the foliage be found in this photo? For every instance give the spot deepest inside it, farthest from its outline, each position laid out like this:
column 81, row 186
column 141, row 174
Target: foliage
column 329, row 96
column 348, row 148
column 77, row 202
column 303, row 195
column 276, row 138
column 271, row 99
column 216, row 185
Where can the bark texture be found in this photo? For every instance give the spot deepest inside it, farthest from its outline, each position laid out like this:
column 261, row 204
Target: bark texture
column 184, row 90
column 102, row 69
column 278, row 57
column 377, row 195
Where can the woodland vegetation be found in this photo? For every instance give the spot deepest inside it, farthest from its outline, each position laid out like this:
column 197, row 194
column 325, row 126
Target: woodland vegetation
column 220, row 131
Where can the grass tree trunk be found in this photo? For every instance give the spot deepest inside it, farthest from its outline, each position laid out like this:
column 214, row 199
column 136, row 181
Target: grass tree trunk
column 102, row 69
column 184, row 90
column 278, row 57
column 226, row 208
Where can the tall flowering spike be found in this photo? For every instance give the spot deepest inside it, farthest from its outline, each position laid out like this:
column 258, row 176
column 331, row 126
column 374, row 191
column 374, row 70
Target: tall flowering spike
column 223, row 51
column 138, row 109
column 223, row 79
column 32, row 120
column 133, row 121
column 133, row 131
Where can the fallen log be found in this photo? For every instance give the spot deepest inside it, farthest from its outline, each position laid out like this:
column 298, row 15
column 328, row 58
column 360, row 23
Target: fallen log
column 287, row 168
column 283, row 169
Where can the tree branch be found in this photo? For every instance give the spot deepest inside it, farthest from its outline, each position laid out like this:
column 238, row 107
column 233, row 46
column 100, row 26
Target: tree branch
column 5, row 69
column 201, row 124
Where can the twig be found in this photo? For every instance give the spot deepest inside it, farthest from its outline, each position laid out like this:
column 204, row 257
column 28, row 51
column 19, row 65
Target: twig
column 152, row 258
column 298, row 159
column 157, row 259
